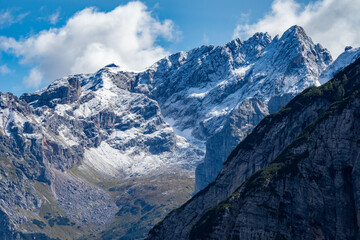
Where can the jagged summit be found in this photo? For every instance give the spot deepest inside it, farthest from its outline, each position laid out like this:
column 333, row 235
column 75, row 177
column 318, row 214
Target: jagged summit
column 298, row 39
column 198, row 91
column 295, row 31
column 258, row 39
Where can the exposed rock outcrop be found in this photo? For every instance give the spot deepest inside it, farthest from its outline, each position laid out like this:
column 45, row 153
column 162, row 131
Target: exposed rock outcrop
column 293, row 177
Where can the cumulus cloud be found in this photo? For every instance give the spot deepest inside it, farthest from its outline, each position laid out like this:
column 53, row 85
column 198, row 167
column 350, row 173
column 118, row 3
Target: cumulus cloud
column 54, row 18
column 126, row 36
column 4, row 69
column 7, row 18
column 334, row 24
column 34, row 79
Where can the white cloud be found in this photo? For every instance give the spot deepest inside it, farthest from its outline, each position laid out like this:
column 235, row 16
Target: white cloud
column 7, row 18
column 92, row 39
column 4, row 69
column 334, row 24
column 54, row 18
column 34, row 79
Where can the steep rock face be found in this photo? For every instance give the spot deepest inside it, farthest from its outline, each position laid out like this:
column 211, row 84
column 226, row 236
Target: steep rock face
column 296, row 63
column 347, row 57
column 218, row 147
column 261, row 149
column 310, row 191
column 55, row 94
column 26, row 130
column 31, row 152
column 240, row 123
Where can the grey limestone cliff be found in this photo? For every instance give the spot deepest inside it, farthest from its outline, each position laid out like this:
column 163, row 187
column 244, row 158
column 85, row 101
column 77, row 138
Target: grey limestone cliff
column 310, row 191
column 285, row 67
column 293, row 177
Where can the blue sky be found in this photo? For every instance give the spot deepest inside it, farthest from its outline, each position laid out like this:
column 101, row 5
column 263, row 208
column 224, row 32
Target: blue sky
column 43, row 40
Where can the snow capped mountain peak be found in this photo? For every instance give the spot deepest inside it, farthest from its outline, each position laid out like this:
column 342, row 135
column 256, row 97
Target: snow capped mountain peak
column 249, row 50
column 347, row 57
column 195, row 92
column 295, row 32
column 262, row 39
column 207, row 80
column 298, row 42
column 101, row 79
column 306, row 58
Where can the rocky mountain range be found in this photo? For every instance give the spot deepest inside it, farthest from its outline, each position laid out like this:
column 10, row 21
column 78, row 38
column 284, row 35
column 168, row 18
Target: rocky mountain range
column 109, row 154
column 294, row 177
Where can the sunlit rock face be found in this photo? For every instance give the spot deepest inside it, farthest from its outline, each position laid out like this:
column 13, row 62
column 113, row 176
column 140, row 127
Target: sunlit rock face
column 116, row 140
